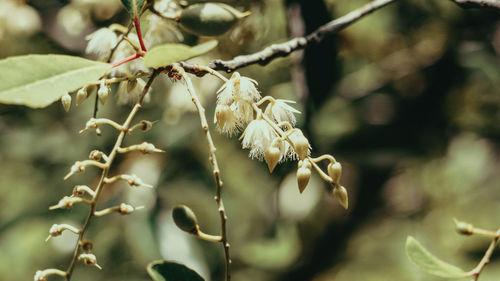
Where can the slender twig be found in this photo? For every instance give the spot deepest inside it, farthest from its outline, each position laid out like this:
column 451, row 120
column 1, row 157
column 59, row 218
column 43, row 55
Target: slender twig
column 486, row 258
column 494, row 4
column 215, row 167
column 104, row 175
column 284, row 49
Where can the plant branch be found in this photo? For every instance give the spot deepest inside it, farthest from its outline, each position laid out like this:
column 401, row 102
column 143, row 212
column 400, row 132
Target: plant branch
column 104, row 175
column 486, row 258
column 284, row 49
column 215, row 167
column 493, row 4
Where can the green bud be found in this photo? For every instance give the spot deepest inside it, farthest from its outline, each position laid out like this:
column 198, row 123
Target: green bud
column 341, row 194
column 185, row 219
column 81, row 95
column 66, row 101
column 335, row 171
column 464, row 228
column 272, row 154
column 209, row 19
column 303, row 174
column 103, row 93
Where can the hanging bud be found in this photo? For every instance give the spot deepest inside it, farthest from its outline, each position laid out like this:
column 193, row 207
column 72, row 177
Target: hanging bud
column 125, row 209
column 303, row 174
column 341, row 194
column 300, row 144
column 185, row 219
column 89, row 259
column 66, row 101
column 464, row 228
column 209, row 19
column 131, row 85
column 272, row 154
column 81, row 95
column 335, row 171
column 103, row 92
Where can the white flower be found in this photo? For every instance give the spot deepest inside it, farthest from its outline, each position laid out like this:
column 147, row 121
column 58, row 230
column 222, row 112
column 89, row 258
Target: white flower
column 258, row 137
column 225, row 119
column 238, row 88
column 101, row 41
column 280, row 111
column 238, row 93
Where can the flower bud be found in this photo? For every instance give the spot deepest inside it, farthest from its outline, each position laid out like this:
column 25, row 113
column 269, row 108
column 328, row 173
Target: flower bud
column 185, row 219
column 300, row 144
column 464, row 228
column 66, row 101
column 81, row 95
column 131, row 84
column 335, row 171
column 209, row 19
column 89, row 259
column 103, row 93
column 303, row 174
column 126, row 209
column 341, row 194
column 272, row 154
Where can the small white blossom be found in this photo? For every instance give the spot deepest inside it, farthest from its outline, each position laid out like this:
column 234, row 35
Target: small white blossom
column 101, row 41
column 280, row 111
column 258, row 137
column 238, row 88
column 238, row 93
column 226, row 119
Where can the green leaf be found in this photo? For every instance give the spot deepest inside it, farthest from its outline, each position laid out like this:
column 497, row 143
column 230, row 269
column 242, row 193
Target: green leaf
column 39, row 80
column 429, row 263
column 167, row 54
column 170, row 271
column 133, row 6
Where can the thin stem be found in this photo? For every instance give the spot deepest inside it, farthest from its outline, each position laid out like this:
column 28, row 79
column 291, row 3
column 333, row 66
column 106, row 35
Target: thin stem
column 486, row 258
column 216, row 171
column 131, row 58
column 104, row 175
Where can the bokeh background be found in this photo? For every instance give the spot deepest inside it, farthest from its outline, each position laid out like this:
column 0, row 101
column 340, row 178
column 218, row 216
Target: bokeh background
column 407, row 99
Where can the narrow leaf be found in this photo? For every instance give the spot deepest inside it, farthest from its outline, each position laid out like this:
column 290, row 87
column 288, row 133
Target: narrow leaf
column 133, row 6
column 170, row 271
column 430, row 263
column 167, row 54
column 39, row 80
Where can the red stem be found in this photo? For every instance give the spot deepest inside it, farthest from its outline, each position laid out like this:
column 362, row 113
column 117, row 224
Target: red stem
column 131, row 58
column 139, row 34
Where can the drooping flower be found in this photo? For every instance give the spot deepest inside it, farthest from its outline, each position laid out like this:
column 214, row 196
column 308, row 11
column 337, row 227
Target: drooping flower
column 257, row 137
column 280, row 111
column 238, row 93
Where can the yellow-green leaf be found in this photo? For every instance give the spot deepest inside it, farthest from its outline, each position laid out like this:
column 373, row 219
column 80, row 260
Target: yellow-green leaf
column 430, row 263
column 167, row 54
column 39, row 80
column 171, row 271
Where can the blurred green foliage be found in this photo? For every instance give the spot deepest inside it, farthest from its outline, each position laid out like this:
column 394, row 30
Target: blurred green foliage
column 409, row 103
